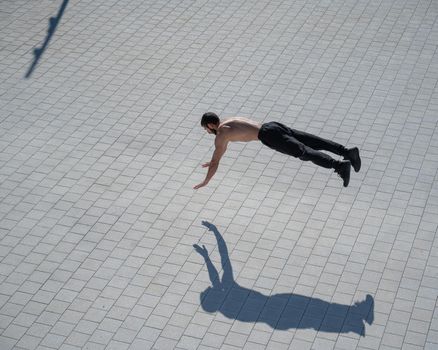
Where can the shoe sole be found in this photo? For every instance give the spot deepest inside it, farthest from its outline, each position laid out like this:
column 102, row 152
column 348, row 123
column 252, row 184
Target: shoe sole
column 355, row 160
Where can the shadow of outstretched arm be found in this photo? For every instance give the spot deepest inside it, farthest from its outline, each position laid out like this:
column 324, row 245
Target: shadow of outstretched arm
column 227, row 277
column 212, row 272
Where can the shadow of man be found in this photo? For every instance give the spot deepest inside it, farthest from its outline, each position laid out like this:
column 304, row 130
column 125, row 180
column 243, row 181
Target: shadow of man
column 53, row 23
column 279, row 311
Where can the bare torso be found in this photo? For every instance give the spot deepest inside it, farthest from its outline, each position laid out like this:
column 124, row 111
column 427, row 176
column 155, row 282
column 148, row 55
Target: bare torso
column 233, row 129
column 238, row 129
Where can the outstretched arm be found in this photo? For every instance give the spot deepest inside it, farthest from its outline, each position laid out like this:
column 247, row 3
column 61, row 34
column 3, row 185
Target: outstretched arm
column 220, row 148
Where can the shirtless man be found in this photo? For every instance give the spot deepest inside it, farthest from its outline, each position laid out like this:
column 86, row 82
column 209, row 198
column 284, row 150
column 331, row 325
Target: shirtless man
column 280, row 138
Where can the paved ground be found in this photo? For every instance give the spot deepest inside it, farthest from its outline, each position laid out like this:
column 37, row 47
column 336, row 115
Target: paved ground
column 101, row 146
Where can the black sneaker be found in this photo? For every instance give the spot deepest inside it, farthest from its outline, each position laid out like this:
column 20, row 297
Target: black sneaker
column 353, row 156
column 343, row 170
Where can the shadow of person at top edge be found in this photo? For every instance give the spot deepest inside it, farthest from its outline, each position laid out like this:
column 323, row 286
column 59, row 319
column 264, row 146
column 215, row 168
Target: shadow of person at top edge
column 279, row 311
column 53, row 23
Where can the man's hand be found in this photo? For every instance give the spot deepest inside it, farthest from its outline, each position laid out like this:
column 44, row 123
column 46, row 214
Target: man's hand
column 202, row 184
column 206, row 165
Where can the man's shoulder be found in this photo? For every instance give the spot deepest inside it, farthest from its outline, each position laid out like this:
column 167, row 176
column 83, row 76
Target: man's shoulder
column 222, row 137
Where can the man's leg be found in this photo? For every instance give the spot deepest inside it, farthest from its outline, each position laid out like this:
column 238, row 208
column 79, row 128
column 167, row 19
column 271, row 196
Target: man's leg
column 279, row 137
column 289, row 145
column 319, row 143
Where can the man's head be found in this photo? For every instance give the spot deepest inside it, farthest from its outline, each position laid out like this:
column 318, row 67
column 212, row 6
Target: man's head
column 210, row 121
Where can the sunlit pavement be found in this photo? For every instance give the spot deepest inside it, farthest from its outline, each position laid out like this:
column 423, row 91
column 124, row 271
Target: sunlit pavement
column 104, row 244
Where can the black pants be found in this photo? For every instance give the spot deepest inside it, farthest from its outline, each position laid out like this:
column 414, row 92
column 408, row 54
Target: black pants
column 300, row 144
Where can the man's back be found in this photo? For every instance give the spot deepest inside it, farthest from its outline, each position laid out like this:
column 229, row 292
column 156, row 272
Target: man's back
column 238, row 129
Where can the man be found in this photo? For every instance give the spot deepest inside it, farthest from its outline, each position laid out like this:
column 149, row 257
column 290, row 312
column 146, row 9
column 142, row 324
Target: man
column 280, row 138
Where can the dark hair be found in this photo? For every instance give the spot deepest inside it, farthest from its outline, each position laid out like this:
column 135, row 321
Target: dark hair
column 208, row 118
